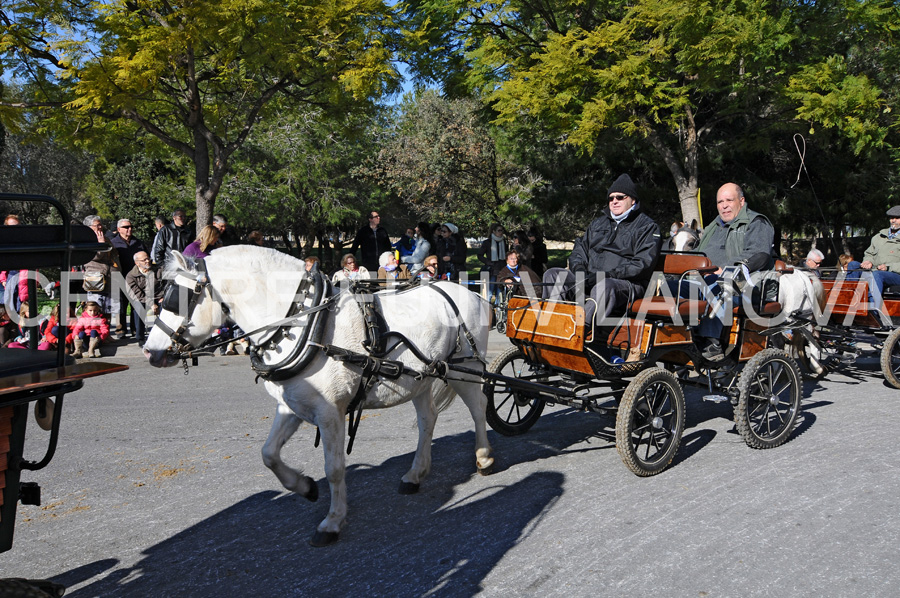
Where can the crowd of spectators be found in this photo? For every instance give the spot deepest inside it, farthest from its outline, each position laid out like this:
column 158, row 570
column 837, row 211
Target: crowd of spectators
column 439, row 251
column 124, row 284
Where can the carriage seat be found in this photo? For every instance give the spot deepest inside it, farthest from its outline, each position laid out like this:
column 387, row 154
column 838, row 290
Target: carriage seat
column 688, row 310
column 892, row 290
column 676, row 264
column 21, row 361
column 782, row 268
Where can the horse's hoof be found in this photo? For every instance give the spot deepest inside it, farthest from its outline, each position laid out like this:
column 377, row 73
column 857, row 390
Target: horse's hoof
column 321, row 539
column 408, row 488
column 487, row 469
column 312, row 495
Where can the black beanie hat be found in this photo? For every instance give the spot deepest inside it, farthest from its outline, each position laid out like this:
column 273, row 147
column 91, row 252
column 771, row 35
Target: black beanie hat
column 625, row 185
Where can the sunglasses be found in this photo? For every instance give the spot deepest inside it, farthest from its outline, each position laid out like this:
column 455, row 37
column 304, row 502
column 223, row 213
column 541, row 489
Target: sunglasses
column 128, row 226
column 617, row 197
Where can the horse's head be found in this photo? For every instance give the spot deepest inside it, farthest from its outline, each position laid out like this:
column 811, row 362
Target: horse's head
column 685, row 238
column 188, row 315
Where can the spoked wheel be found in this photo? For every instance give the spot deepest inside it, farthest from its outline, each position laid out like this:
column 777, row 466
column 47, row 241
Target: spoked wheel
column 890, row 358
column 511, row 411
column 769, row 400
column 650, row 421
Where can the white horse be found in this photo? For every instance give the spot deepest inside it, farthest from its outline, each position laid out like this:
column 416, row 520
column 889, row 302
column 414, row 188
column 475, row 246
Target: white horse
column 802, row 298
column 257, row 288
column 685, row 237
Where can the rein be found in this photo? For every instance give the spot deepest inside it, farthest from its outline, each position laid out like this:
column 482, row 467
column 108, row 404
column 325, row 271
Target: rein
column 373, row 365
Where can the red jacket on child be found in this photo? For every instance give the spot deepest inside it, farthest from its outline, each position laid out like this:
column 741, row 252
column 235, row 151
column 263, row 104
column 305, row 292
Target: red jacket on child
column 87, row 323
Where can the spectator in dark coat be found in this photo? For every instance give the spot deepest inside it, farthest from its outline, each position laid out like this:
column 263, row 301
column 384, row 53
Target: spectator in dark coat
column 174, row 236
column 451, row 252
column 540, row 259
column 227, row 236
column 371, row 241
column 128, row 246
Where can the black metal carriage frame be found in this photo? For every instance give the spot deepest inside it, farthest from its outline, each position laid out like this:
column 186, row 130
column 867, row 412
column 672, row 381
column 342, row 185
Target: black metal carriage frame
column 31, row 376
column 636, row 370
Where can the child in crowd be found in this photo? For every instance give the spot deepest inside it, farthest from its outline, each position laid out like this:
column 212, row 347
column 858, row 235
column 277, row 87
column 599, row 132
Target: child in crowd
column 8, row 329
column 48, row 330
column 843, row 260
column 21, row 337
column 91, row 326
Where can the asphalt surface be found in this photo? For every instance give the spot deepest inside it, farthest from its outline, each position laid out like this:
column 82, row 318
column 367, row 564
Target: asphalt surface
column 158, row 489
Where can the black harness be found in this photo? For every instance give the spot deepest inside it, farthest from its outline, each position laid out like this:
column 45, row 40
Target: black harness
column 184, row 292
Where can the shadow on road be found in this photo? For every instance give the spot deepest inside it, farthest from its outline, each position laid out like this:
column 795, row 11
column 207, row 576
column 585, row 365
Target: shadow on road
column 392, row 545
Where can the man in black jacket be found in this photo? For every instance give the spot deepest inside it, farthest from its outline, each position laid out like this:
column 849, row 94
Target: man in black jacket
column 174, row 236
column 616, row 254
column 372, row 241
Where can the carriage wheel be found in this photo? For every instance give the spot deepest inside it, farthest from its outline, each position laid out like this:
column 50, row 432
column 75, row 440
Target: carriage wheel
column 512, row 412
column 650, row 421
column 769, row 400
column 890, row 358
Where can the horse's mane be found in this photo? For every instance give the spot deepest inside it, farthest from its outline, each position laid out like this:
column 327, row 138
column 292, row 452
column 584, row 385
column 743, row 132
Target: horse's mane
column 257, row 259
column 251, row 259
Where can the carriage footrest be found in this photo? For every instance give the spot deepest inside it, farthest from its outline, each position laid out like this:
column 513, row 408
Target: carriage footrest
column 716, row 398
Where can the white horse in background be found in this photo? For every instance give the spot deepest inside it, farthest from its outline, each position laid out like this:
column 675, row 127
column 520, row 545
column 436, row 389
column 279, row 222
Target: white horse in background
column 256, row 286
column 684, row 237
column 802, row 298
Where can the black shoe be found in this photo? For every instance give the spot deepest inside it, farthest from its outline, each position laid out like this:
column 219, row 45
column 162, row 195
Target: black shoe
column 713, row 350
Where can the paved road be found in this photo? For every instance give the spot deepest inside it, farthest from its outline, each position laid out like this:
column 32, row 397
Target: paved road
column 158, row 489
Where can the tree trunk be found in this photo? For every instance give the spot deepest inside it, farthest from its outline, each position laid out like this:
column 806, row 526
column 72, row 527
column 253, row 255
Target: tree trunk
column 685, row 171
column 205, row 203
column 285, row 238
column 308, row 243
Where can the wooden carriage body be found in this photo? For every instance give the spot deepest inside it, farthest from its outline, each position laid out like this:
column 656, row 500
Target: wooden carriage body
column 847, row 304
column 655, row 329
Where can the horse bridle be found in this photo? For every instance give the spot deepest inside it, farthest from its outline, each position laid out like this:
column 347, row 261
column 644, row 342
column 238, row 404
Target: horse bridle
column 196, row 284
column 181, row 348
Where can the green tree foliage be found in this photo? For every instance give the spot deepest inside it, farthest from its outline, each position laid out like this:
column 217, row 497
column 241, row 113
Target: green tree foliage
column 197, row 75
column 296, row 175
column 42, row 167
column 677, row 77
column 138, row 187
column 440, row 158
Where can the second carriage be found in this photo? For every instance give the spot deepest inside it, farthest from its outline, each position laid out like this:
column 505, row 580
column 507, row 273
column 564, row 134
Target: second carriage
column 846, row 322
column 637, row 369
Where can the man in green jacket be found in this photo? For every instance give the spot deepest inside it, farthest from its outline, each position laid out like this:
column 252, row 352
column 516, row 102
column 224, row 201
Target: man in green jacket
column 737, row 236
column 882, row 258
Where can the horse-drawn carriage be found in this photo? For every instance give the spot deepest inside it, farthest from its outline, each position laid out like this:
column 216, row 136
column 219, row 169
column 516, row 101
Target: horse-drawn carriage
column 636, row 368
column 30, row 376
column 848, row 320
column 326, row 354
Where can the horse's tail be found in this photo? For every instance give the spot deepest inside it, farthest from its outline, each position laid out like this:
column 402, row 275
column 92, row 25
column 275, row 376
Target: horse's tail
column 443, row 394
